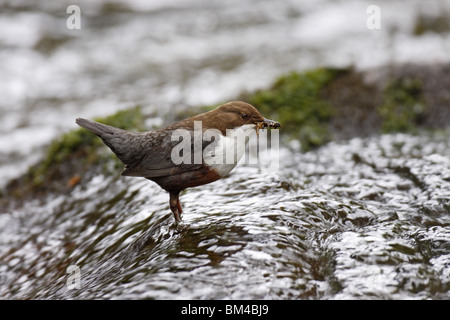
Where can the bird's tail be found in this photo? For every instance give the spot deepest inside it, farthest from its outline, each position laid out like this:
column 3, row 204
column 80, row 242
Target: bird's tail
column 99, row 129
column 118, row 140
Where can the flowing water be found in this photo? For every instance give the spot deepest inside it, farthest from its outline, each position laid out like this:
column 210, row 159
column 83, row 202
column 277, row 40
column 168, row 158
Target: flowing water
column 363, row 218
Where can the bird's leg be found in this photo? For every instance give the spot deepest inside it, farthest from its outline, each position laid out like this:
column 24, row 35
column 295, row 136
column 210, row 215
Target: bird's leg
column 180, row 210
column 175, row 206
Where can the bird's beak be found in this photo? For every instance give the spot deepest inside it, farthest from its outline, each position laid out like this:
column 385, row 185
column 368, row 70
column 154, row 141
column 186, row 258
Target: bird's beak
column 267, row 123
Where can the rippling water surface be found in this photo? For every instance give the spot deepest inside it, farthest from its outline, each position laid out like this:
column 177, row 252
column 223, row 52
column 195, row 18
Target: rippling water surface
column 365, row 218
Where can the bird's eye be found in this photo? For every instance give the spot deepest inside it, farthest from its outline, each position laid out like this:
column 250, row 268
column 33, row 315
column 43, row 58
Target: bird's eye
column 244, row 116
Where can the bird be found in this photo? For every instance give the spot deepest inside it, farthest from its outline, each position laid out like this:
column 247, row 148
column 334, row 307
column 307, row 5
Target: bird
column 188, row 153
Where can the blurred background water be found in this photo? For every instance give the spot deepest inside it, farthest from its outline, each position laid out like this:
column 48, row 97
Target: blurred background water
column 365, row 218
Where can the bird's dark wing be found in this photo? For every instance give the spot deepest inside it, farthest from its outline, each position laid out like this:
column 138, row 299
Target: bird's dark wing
column 156, row 161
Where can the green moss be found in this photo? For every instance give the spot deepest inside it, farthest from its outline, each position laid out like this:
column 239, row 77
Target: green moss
column 403, row 106
column 58, row 151
column 74, row 151
column 129, row 119
column 436, row 24
column 296, row 101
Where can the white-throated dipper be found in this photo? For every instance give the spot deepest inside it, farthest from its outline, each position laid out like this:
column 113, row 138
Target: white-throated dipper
column 155, row 155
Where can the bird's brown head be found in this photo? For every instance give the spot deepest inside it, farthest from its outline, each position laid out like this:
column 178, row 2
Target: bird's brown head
column 233, row 115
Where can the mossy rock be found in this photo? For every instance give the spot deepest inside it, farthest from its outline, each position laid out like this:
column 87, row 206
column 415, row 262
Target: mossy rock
column 73, row 154
column 428, row 23
column 296, row 101
column 403, row 107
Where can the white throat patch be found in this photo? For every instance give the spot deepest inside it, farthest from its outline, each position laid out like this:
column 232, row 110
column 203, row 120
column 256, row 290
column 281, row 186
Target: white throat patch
column 229, row 149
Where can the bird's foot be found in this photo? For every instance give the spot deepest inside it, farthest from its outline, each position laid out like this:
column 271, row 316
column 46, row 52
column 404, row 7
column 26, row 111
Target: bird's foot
column 177, row 216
